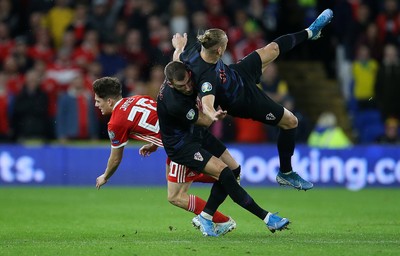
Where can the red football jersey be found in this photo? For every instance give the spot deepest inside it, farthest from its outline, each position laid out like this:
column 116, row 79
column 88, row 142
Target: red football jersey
column 136, row 118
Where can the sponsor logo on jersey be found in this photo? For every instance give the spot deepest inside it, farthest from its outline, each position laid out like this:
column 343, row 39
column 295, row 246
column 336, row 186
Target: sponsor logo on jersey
column 190, row 115
column 206, row 87
column 111, row 135
column 270, row 116
column 198, row 157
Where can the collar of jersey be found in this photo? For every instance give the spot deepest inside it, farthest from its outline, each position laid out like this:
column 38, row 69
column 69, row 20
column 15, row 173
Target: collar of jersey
column 116, row 104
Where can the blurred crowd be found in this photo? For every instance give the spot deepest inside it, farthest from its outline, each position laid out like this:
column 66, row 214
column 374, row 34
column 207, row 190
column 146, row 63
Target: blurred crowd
column 368, row 66
column 52, row 51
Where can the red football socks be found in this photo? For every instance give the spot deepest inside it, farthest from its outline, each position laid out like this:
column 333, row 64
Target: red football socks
column 196, row 205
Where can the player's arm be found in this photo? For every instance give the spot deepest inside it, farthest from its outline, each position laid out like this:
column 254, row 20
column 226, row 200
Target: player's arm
column 179, row 43
column 207, row 102
column 147, row 149
column 112, row 165
column 203, row 120
column 206, row 120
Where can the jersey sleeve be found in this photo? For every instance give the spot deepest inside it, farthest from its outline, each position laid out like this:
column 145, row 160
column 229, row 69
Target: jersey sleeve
column 208, row 84
column 118, row 135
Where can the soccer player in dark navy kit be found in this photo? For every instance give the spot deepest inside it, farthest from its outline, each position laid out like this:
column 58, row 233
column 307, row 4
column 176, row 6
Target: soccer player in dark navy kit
column 234, row 87
column 188, row 142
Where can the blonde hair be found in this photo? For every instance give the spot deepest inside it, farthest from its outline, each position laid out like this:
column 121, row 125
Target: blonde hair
column 212, row 37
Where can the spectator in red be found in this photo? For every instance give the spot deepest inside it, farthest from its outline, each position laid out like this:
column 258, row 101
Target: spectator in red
column 94, row 71
column 58, row 75
column 5, row 109
column 63, row 70
column 236, row 32
column 87, row 51
column 13, row 78
column 6, row 42
column 42, row 48
column 388, row 22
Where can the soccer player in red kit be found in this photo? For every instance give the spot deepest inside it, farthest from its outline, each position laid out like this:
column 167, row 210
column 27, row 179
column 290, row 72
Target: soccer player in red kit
column 136, row 118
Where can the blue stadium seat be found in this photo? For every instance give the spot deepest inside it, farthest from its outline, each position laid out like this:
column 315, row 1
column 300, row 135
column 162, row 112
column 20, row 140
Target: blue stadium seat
column 369, row 125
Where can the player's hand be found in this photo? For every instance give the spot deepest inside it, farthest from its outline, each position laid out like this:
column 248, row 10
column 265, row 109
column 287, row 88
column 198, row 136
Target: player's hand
column 220, row 114
column 147, row 149
column 100, row 181
column 179, row 41
column 199, row 104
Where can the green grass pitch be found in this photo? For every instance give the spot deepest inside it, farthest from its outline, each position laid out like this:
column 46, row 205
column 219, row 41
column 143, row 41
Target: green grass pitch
column 139, row 221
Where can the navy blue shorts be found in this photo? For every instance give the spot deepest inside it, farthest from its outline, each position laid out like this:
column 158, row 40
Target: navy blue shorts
column 254, row 103
column 196, row 153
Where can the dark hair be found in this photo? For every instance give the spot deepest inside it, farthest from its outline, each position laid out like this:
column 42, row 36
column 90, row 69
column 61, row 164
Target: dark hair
column 175, row 71
column 211, row 37
column 107, row 87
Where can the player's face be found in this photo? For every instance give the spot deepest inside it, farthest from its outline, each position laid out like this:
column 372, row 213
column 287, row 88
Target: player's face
column 185, row 86
column 103, row 105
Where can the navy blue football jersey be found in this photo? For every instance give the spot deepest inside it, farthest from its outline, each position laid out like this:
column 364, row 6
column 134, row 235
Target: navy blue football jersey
column 217, row 79
column 177, row 114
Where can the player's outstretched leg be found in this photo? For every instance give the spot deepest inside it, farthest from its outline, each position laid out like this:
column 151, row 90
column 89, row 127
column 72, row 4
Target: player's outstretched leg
column 220, row 228
column 320, row 22
column 274, row 222
column 294, row 180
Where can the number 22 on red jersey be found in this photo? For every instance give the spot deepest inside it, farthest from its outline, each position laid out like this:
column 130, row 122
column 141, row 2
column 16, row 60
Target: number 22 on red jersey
column 134, row 118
